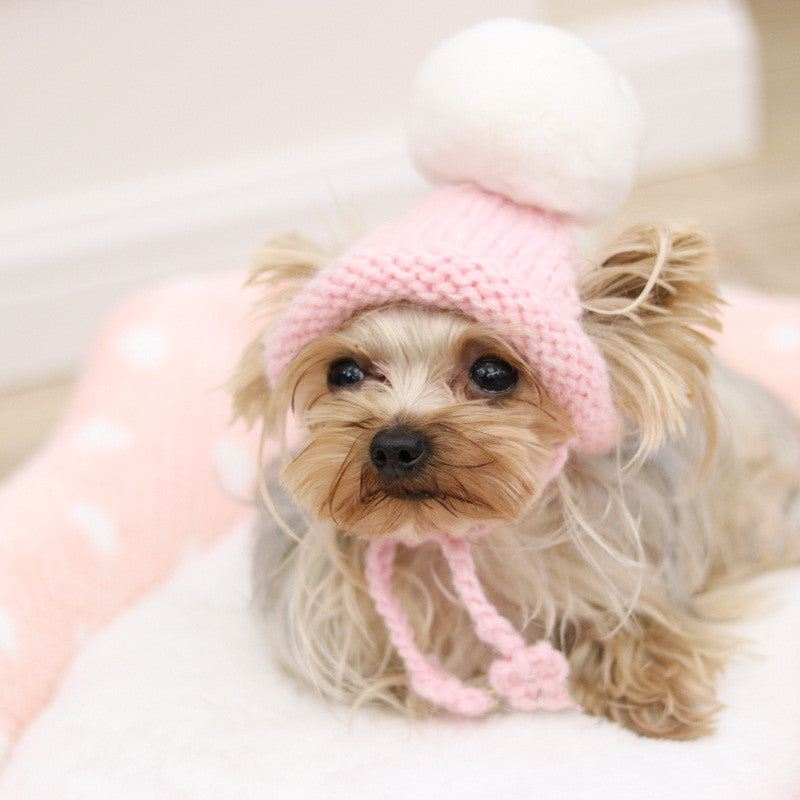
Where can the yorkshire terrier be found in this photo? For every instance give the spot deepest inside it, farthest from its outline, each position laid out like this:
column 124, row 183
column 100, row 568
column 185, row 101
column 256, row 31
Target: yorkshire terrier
column 541, row 452
column 423, row 420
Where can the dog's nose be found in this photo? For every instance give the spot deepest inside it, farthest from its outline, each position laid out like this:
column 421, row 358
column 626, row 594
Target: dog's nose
column 398, row 452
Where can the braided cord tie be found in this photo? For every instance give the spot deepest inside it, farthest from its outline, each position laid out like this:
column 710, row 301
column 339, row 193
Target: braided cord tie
column 528, row 676
column 428, row 679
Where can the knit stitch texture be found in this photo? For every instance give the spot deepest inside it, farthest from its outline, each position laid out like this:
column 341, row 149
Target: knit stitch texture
column 476, row 253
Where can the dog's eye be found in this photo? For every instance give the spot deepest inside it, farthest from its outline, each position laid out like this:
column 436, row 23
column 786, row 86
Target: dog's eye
column 345, row 372
column 493, row 375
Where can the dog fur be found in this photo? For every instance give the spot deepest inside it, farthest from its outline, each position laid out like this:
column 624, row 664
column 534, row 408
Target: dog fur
column 630, row 562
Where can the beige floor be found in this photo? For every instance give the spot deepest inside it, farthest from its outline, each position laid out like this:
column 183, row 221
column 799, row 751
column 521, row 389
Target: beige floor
column 752, row 209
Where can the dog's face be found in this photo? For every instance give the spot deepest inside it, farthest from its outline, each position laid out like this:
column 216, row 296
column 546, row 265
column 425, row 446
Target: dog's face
column 414, row 421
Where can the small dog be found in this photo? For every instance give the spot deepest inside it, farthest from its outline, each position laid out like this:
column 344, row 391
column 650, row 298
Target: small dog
column 494, row 450
column 413, row 419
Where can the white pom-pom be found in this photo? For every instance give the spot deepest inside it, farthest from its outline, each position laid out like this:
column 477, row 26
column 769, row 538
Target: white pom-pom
column 530, row 112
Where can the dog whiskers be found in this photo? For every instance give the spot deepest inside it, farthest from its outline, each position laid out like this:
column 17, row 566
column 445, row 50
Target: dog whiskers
column 444, row 463
column 340, row 475
column 313, row 402
column 363, row 425
column 311, row 367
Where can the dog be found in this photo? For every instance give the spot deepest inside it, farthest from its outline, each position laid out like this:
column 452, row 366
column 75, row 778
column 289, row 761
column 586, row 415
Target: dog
column 407, row 420
column 508, row 479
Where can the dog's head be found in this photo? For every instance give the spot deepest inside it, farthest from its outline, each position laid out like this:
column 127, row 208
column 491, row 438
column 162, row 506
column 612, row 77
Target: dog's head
column 417, row 420
column 412, row 419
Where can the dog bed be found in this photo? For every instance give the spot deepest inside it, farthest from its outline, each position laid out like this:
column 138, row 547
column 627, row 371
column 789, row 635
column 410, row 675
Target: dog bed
column 177, row 695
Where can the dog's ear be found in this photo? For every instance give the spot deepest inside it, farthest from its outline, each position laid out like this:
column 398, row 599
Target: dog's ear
column 280, row 269
column 649, row 306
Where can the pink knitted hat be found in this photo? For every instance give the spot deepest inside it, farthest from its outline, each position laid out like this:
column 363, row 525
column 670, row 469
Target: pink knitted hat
column 526, row 130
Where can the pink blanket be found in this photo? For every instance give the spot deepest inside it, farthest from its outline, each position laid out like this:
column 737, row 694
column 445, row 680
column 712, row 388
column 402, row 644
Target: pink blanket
column 145, row 449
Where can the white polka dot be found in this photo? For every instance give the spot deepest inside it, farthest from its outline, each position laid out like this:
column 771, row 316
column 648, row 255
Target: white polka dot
column 8, row 634
column 145, row 346
column 103, row 434
column 784, row 338
column 97, row 525
column 235, row 468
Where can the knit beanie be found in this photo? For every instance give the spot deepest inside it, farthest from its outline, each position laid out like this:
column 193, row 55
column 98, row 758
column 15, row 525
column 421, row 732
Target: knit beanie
column 525, row 132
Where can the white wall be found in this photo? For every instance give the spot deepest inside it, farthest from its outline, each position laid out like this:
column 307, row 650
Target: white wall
column 98, row 92
column 141, row 138
column 567, row 12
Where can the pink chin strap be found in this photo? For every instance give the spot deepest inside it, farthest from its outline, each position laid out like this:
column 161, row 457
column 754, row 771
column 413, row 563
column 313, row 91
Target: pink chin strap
column 528, row 677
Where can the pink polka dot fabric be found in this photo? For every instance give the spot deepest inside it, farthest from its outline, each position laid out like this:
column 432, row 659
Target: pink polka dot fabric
column 761, row 339
column 144, row 469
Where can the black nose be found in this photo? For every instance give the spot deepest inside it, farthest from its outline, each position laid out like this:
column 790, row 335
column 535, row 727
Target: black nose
column 398, row 452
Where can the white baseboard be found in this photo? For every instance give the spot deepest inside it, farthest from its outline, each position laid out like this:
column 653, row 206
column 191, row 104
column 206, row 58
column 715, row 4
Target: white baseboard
column 64, row 263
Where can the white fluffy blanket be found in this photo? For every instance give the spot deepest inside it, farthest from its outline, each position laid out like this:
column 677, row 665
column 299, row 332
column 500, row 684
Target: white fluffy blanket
column 178, row 698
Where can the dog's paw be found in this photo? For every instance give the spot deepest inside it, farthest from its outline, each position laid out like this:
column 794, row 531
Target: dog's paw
column 649, row 678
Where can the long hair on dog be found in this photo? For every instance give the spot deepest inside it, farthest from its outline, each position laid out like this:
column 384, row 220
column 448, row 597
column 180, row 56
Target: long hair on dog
column 622, row 561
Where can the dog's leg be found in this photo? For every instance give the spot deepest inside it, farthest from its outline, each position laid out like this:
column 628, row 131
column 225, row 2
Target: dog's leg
column 658, row 681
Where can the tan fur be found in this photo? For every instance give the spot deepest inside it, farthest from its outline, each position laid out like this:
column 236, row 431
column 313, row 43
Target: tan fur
column 280, row 268
column 616, row 561
column 650, row 306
